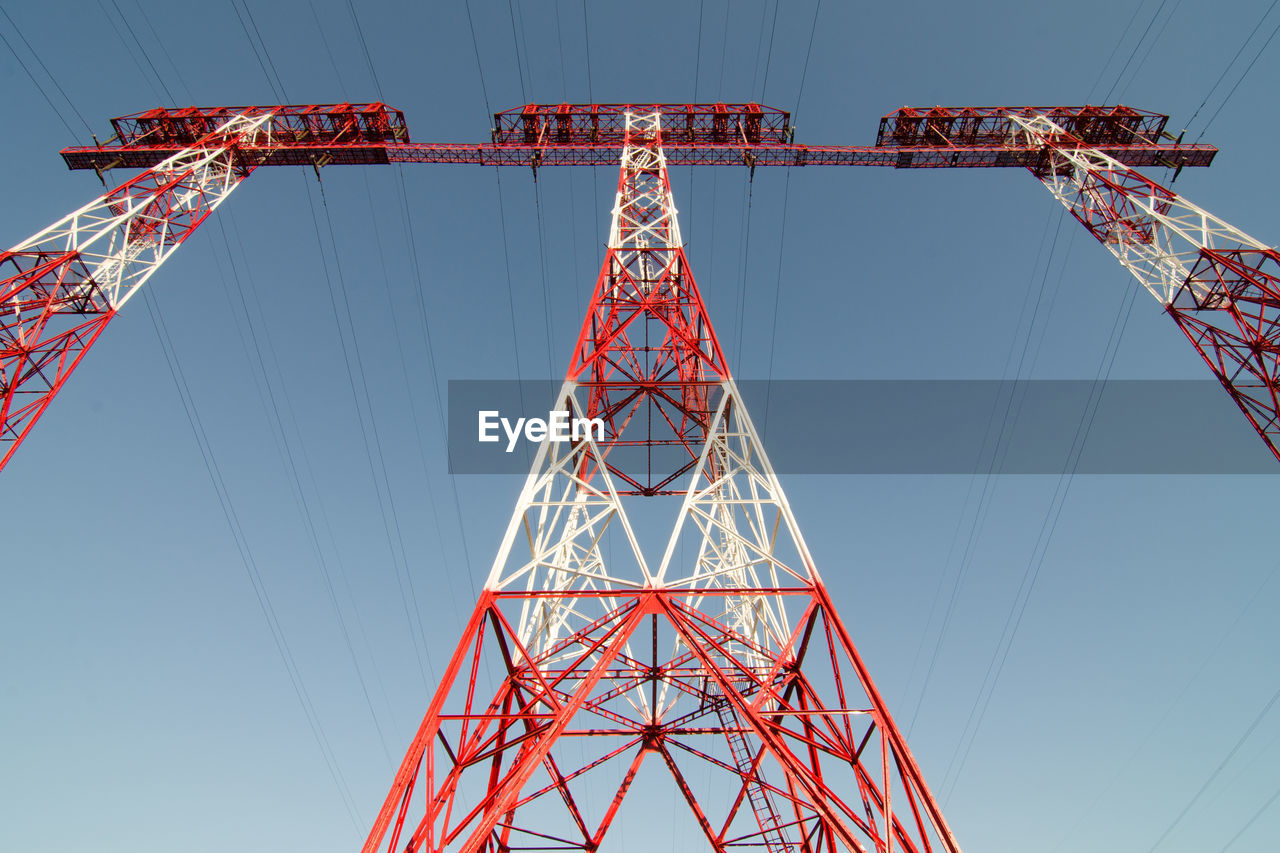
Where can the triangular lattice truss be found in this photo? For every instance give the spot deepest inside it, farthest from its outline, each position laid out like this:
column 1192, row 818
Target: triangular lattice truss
column 723, row 659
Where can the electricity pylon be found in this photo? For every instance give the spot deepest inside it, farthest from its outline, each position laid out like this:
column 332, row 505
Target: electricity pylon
column 588, row 654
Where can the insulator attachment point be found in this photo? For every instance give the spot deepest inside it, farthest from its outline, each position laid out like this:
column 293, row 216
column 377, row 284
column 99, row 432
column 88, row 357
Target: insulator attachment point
column 323, row 160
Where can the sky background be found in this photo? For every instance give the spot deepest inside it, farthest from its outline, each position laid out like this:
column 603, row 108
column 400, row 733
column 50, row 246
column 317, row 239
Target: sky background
column 226, row 596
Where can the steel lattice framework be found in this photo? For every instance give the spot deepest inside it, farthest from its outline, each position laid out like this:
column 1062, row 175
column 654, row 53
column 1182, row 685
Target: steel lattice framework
column 63, row 285
column 733, row 662
column 1221, row 286
column 700, row 134
column 1085, row 155
column 724, row 652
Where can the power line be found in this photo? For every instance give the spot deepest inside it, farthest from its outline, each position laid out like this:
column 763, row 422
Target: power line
column 1102, row 70
column 434, row 373
column 573, row 207
column 39, row 88
column 1053, row 512
column 1253, row 724
column 697, row 79
column 586, row 34
column 364, row 49
column 1104, row 790
column 424, row 315
column 173, row 66
column 697, row 56
column 524, row 40
column 275, row 72
column 388, row 509
column 1150, row 47
column 333, row 62
column 1248, row 823
column 246, row 556
column 273, row 80
column 131, row 54
column 1247, row 69
column 804, row 75
column 1231, row 64
column 755, row 66
column 271, row 406
column 1048, row 526
column 542, row 268
column 782, row 236
column 745, row 242
column 777, row 301
column 1133, row 53
column 475, row 46
column 133, row 35
column 515, row 44
column 773, row 29
column 992, row 444
column 205, row 446
column 49, row 74
column 390, row 518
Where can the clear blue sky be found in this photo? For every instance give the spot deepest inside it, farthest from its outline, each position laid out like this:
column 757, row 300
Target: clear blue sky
column 144, row 704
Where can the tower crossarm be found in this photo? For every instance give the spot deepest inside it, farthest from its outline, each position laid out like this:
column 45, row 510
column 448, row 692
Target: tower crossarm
column 1220, row 285
column 913, row 127
column 306, row 135
column 718, row 134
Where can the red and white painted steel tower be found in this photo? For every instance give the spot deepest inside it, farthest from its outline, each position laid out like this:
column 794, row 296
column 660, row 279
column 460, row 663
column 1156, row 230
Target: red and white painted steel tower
column 589, row 654
column 723, row 652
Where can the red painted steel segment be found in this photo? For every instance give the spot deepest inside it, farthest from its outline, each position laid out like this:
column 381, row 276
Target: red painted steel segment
column 823, row 741
column 1236, row 329
column 528, row 156
column 312, row 124
column 569, row 124
column 1097, row 126
column 647, row 349
column 537, row 135
column 46, row 327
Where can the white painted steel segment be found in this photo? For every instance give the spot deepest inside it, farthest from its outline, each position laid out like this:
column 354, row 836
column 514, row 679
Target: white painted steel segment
column 734, row 505
column 1178, row 229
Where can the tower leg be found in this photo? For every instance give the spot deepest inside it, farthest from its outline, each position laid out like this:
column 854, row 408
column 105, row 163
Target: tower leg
column 1221, row 286
column 62, row 286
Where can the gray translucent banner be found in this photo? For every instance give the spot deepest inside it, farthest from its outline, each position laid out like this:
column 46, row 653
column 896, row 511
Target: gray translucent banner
column 928, row 427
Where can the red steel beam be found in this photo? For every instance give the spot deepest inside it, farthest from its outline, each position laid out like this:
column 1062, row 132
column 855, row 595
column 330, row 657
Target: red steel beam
column 1100, row 127
column 88, row 157
column 289, row 125
column 595, row 124
column 693, row 134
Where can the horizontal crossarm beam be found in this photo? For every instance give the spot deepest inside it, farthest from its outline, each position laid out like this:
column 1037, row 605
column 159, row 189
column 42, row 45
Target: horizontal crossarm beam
column 1008, row 156
column 720, row 134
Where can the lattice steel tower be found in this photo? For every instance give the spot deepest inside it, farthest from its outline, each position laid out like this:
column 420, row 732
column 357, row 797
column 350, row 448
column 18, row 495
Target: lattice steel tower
column 722, row 651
